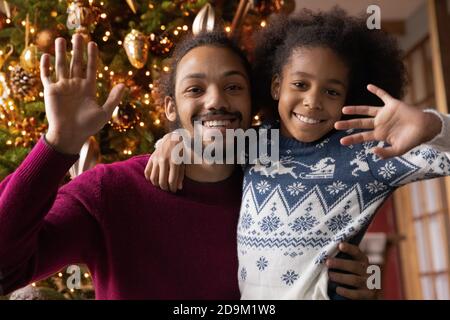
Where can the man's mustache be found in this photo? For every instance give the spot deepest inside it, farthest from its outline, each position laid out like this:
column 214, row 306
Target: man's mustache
column 220, row 112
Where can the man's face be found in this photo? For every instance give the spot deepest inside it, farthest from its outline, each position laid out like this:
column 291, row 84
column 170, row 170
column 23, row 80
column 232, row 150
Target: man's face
column 213, row 88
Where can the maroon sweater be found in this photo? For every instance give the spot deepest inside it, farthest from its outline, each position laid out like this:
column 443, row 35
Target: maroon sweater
column 138, row 241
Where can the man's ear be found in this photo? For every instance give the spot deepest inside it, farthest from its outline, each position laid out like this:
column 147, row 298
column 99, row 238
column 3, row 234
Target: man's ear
column 275, row 87
column 170, row 108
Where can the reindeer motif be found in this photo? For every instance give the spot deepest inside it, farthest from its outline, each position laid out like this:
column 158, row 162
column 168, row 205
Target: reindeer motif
column 360, row 162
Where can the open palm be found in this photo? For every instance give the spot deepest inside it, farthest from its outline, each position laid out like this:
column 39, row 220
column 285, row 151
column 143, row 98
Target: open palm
column 70, row 103
column 397, row 123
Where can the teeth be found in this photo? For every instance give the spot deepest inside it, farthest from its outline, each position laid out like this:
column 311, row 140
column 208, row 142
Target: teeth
column 216, row 123
column 307, row 120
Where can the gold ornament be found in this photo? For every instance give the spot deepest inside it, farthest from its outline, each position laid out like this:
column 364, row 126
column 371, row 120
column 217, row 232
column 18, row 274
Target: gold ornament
column 287, row 6
column 5, row 8
column 29, row 59
column 5, row 53
column 45, row 40
column 136, row 46
column 4, row 90
column 133, row 6
column 89, row 157
column 81, row 16
column 205, row 20
column 125, row 117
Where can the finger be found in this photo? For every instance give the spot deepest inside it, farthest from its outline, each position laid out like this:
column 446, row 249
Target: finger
column 355, row 294
column 352, row 266
column 358, row 138
column 76, row 64
column 380, row 93
column 113, row 100
column 355, row 124
column 62, row 72
column 385, row 153
column 361, row 110
column 91, row 71
column 353, row 251
column 45, row 70
column 154, row 175
column 173, row 177
column 163, row 175
column 148, row 169
column 181, row 177
column 348, row 279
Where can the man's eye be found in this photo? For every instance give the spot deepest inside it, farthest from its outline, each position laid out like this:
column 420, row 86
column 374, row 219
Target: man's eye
column 333, row 93
column 234, row 87
column 194, row 90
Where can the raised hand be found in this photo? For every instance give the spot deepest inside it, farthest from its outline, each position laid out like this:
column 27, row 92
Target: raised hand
column 70, row 103
column 397, row 123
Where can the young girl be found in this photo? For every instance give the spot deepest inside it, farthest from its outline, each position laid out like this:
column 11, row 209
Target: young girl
column 328, row 184
column 292, row 220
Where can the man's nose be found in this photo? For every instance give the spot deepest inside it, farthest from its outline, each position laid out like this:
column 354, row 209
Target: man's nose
column 216, row 99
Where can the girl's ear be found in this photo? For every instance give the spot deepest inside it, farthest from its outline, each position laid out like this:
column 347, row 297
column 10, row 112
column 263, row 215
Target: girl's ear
column 275, row 87
column 170, row 108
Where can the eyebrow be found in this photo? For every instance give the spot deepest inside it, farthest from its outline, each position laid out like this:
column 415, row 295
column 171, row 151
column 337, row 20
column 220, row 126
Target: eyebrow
column 225, row 74
column 307, row 75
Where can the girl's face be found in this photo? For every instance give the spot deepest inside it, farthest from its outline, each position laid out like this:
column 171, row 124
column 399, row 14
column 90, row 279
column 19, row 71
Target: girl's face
column 311, row 93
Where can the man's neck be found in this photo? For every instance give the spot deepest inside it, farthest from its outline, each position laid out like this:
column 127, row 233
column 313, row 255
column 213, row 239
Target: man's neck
column 209, row 172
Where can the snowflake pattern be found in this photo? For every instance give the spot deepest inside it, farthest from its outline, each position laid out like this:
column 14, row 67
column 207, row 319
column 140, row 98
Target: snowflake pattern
column 262, row 263
column 322, row 258
column 263, row 187
column 243, row 274
column 289, row 277
column 270, row 223
column 387, row 171
column 429, row 155
column 375, row 187
column 295, row 188
column 336, row 187
column 303, row 223
column 246, row 221
column 338, row 222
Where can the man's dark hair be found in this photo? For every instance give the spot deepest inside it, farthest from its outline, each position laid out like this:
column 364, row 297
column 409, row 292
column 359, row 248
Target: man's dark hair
column 212, row 39
column 372, row 56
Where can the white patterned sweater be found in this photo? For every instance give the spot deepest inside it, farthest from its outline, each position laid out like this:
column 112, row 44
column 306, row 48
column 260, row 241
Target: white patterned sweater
column 295, row 212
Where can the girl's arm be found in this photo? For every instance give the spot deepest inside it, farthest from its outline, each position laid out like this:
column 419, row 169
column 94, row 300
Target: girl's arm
column 403, row 144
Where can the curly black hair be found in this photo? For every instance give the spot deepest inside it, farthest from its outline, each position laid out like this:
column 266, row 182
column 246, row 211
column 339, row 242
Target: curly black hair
column 214, row 39
column 372, row 56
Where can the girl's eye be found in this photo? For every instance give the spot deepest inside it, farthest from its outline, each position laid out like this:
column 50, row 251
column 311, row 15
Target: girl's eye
column 300, row 85
column 332, row 92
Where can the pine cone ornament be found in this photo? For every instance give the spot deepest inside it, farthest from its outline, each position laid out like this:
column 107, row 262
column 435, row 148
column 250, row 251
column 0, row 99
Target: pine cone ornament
column 24, row 85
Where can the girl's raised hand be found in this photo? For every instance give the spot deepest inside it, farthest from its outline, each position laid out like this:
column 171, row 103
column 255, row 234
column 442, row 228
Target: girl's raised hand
column 397, row 123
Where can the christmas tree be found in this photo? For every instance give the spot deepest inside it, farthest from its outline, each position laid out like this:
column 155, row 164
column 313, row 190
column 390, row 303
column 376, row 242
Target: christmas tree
column 135, row 39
